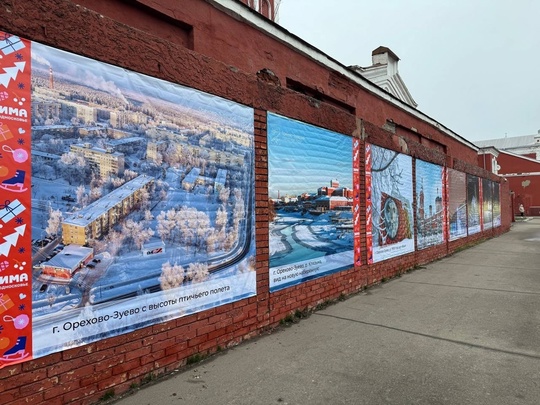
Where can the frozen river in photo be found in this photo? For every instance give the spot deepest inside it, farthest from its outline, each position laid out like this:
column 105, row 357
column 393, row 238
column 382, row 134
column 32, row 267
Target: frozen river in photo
column 295, row 238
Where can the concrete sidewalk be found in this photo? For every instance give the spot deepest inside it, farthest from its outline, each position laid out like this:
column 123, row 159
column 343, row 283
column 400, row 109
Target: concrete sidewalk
column 462, row 330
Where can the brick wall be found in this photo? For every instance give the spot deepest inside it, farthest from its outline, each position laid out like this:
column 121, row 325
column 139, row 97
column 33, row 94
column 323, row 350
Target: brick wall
column 201, row 46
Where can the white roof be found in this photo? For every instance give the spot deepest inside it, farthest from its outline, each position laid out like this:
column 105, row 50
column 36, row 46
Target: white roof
column 93, row 211
column 70, row 257
column 510, row 143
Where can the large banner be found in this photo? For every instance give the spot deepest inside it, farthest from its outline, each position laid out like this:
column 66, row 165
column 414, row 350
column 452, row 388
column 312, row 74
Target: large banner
column 430, row 206
column 312, row 202
column 487, row 204
column 473, row 205
column 141, row 199
column 457, row 204
column 389, row 196
column 496, row 205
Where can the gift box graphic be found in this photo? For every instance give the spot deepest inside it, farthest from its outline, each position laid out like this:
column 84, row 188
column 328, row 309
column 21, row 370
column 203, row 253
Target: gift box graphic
column 5, row 303
column 5, row 133
column 10, row 43
column 10, row 209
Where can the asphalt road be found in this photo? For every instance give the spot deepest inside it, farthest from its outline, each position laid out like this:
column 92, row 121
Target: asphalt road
column 462, row 330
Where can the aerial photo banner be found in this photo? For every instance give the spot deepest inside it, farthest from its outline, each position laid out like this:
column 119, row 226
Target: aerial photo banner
column 457, row 204
column 389, row 197
column 136, row 206
column 312, row 200
column 430, row 206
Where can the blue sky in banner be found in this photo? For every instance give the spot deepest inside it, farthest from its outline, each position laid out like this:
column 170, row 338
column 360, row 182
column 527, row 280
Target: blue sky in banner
column 309, row 157
column 126, row 83
column 428, row 177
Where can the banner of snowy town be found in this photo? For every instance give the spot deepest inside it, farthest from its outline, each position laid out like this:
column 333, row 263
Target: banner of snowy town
column 314, row 193
column 126, row 200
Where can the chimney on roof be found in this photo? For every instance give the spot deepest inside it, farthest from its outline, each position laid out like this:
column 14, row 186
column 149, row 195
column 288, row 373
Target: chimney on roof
column 384, row 56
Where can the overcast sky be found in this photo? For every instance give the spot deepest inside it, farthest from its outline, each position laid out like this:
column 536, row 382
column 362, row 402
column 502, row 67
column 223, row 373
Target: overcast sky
column 472, row 65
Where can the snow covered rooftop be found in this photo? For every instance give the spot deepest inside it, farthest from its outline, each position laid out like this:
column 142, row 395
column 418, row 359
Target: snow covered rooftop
column 333, row 198
column 99, row 207
column 97, row 149
column 509, row 143
column 192, row 175
column 70, row 257
column 45, row 154
column 124, row 141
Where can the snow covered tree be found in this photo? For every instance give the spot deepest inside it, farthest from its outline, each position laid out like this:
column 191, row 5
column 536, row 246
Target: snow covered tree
column 185, row 225
column 129, row 174
column 230, row 239
column 142, row 236
column 166, row 223
column 211, row 241
column 224, row 194
column 221, row 218
column 95, row 194
column 172, row 276
column 148, row 215
column 115, row 241
column 73, row 167
column 202, row 223
column 54, row 223
column 82, row 198
column 239, row 211
column 132, row 230
column 198, row 272
column 144, row 199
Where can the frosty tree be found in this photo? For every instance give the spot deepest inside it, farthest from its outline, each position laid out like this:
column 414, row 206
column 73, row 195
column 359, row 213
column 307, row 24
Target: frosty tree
column 143, row 236
column 115, row 241
column 54, row 223
column 95, row 194
column 198, row 272
column 73, row 167
column 224, row 194
column 129, row 174
column 172, row 276
column 166, row 223
column 148, row 215
column 221, row 218
column 239, row 211
column 82, row 198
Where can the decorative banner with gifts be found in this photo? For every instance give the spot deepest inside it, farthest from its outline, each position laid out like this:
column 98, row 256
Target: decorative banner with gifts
column 5, row 133
column 10, row 210
column 15, row 218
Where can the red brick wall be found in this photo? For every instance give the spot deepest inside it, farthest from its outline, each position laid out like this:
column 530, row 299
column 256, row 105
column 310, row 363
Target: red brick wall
column 197, row 45
column 525, row 185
